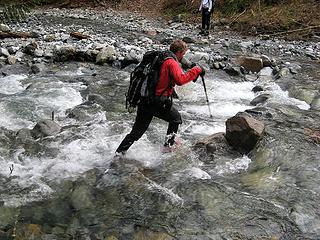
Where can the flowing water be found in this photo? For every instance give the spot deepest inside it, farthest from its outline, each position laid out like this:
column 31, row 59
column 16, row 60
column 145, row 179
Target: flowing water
column 27, row 99
column 69, row 186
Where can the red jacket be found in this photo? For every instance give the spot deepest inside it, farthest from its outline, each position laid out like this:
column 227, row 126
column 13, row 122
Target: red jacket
column 171, row 69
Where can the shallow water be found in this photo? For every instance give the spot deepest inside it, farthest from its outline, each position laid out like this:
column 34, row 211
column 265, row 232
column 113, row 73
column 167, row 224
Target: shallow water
column 30, row 98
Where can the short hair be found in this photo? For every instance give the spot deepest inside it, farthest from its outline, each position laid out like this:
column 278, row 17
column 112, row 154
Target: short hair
column 178, row 45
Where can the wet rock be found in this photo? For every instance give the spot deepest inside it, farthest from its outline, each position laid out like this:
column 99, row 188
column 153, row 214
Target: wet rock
column 257, row 89
column 260, row 99
column 266, row 71
column 29, row 231
column 97, row 98
column 213, row 142
column 24, row 135
column 7, row 217
column 37, row 68
column 232, row 71
column 82, row 197
column 243, row 131
column 45, row 128
column 252, row 64
column 85, row 112
column 315, row 104
column 146, row 234
column 283, row 72
column 303, row 94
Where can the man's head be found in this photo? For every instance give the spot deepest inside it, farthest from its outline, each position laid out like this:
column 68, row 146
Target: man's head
column 179, row 48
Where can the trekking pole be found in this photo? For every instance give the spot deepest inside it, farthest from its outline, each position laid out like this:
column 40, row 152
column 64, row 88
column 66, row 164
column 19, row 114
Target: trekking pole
column 205, row 91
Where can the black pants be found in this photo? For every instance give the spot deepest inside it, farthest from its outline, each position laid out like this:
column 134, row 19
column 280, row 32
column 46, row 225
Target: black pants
column 144, row 116
column 206, row 19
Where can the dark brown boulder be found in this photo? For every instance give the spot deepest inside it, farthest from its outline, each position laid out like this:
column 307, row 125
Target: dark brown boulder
column 243, row 132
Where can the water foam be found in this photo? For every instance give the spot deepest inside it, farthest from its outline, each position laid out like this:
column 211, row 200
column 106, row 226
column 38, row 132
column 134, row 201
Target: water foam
column 12, row 84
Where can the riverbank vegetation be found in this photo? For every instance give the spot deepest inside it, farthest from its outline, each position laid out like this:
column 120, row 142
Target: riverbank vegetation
column 295, row 19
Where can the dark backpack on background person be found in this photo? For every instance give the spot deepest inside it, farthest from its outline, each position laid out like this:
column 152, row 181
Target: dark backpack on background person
column 144, row 78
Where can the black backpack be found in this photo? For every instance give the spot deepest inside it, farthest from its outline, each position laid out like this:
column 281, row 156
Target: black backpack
column 144, row 78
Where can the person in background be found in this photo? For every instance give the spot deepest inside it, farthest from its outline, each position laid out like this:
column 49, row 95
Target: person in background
column 206, row 8
column 171, row 74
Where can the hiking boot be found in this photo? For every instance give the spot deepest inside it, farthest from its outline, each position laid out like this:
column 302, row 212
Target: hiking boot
column 202, row 32
column 172, row 148
column 206, row 33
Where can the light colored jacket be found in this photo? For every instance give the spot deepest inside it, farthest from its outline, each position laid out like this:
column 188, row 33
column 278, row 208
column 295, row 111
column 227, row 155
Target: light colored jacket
column 206, row 4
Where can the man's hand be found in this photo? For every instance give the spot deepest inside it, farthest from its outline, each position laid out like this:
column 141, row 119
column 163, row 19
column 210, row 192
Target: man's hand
column 192, row 65
column 203, row 71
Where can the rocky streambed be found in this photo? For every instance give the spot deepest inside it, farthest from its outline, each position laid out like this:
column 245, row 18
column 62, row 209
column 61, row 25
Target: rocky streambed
column 59, row 180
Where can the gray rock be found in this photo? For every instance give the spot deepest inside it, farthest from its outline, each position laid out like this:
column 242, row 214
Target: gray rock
column 213, row 142
column 303, row 94
column 105, row 55
column 64, row 53
column 24, row 135
column 266, row 71
column 45, row 128
column 4, row 28
column 12, row 60
column 315, row 104
column 216, row 65
column 37, row 68
column 4, row 52
column 260, row 99
column 232, row 71
column 283, row 72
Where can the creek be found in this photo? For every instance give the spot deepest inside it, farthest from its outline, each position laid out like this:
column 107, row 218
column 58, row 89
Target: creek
column 68, row 186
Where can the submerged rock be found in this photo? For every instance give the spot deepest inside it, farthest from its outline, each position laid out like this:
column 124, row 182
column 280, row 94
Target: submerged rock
column 45, row 128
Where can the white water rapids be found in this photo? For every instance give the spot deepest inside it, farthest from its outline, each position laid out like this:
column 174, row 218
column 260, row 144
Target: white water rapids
column 22, row 107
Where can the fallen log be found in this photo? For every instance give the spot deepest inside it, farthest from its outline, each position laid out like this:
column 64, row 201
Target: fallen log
column 293, row 31
column 14, row 35
column 79, row 35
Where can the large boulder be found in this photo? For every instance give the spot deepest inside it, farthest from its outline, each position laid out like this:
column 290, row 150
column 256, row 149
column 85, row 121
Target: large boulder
column 45, row 128
column 243, row 132
column 252, row 64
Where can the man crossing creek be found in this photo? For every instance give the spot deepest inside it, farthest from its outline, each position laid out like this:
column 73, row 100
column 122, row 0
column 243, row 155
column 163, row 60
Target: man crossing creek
column 158, row 101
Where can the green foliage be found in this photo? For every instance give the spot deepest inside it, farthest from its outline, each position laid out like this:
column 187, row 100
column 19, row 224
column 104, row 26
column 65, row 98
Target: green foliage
column 272, row 2
column 17, row 11
column 235, row 6
column 176, row 7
